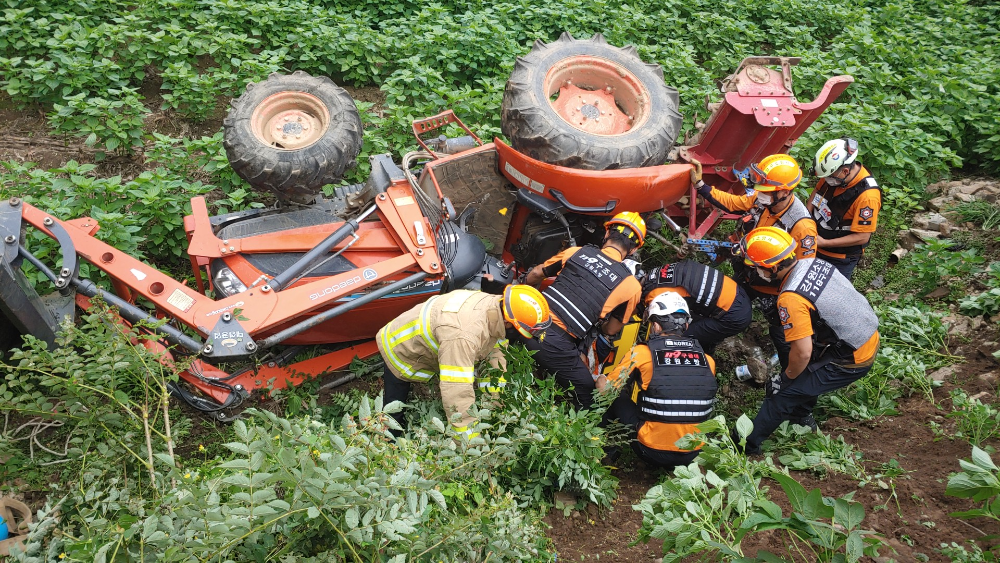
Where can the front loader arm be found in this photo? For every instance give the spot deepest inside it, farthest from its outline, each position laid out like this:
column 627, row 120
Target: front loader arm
column 231, row 326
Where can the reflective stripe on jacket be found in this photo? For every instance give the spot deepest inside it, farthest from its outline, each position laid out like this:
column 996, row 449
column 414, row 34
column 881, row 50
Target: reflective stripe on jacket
column 447, row 335
column 582, row 288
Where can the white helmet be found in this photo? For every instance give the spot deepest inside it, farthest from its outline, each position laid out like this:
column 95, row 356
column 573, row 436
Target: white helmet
column 834, row 154
column 663, row 308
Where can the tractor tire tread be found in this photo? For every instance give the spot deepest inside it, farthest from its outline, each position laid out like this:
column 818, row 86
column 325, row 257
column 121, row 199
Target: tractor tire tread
column 536, row 130
column 296, row 175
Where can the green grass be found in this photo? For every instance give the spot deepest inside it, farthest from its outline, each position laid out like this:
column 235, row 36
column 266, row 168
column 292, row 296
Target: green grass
column 982, row 213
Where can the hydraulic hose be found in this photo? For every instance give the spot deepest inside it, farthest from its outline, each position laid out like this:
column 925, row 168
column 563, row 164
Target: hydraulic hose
column 285, row 278
column 127, row 310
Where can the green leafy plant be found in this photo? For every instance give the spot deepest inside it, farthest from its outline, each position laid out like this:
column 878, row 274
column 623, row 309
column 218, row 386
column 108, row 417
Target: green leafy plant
column 914, row 341
column 557, row 446
column 819, row 528
column 959, row 554
column 112, row 124
column 982, row 213
column 143, row 217
column 297, row 488
column 979, row 480
column 938, row 263
column 699, row 510
column 94, row 364
column 976, row 421
column 987, row 303
column 802, row 449
column 293, row 488
column 202, row 159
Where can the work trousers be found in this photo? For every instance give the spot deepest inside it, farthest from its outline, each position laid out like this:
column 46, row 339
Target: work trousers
column 797, row 399
column 559, row 353
column 625, row 411
column 710, row 331
column 395, row 389
column 845, row 265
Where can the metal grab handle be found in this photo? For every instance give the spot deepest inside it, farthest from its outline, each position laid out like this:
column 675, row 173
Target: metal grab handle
column 608, row 208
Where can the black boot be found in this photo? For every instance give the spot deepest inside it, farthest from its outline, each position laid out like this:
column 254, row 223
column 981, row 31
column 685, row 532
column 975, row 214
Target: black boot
column 809, row 421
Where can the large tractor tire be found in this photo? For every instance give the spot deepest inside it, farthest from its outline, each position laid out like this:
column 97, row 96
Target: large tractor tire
column 292, row 134
column 589, row 105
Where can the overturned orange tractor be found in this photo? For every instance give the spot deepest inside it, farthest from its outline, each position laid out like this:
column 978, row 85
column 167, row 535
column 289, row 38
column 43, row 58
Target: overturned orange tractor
column 592, row 132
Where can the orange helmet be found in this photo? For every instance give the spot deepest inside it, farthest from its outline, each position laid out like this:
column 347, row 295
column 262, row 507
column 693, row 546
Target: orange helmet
column 776, row 172
column 526, row 309
column 769, row 248
column 629, row 224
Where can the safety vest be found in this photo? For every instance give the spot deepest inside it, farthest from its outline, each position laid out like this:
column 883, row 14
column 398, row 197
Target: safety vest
column 838, row 225
column 701, row 282
column 683, row 387
column 582, row 287
column 789, row 218
column 843, row 318
column 793, row 214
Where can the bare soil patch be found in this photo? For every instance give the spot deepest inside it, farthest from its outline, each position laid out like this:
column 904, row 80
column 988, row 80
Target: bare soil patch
column 914, row 528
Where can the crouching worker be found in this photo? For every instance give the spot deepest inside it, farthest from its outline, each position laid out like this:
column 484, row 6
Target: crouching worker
column 593, row 293
column 448, row 335
column 720, row 307
column 830, row 327
column 667, row 386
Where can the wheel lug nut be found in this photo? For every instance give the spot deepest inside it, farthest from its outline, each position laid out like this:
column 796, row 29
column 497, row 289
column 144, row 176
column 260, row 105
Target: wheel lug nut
column 299, row 119
column 287, row 119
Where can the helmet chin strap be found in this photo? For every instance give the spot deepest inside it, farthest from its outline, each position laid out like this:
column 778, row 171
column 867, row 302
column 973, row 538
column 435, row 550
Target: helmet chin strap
column 775, row 202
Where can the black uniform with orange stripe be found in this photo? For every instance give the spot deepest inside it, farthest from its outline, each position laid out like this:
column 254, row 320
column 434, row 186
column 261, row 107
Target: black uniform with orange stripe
column 584, row 285
column 721, row 307
column 669, row 387
column 831, row 211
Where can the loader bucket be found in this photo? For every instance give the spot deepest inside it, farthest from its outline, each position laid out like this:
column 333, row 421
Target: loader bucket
column 24, row 311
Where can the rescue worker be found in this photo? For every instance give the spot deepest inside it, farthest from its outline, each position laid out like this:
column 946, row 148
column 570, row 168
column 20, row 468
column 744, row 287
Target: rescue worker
column 593, row 292
column 831, row 328
column 668, row 386
column 772, row 202
column 845, row 205
column 720, row 307
column 449, row 334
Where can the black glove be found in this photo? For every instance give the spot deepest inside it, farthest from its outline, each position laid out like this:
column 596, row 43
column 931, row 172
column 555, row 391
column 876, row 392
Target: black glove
column 488, row 285
column 768, row 303
column 777, row 382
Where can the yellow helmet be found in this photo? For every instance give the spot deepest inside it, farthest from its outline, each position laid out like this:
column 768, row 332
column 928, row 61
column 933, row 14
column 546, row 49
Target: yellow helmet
column 775, row 172
column 768, row 247
column 526, row 309
column 629, row 224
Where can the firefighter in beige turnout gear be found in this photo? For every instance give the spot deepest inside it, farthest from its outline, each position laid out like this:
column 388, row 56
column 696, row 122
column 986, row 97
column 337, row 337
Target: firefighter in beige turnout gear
column 448, row 335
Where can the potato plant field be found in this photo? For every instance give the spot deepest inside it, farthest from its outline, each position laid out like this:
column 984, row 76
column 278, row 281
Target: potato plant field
column 114, row 109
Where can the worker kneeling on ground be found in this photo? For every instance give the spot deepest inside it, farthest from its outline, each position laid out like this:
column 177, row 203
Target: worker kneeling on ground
column 720, row 308
column 448, row 335
column 830, row 327
column 593, row 293
column 771, row 203
column 668, row 386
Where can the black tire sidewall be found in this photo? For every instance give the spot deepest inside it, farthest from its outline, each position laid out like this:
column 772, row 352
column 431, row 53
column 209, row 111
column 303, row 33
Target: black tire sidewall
column 660, row 105
column 322, row 162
